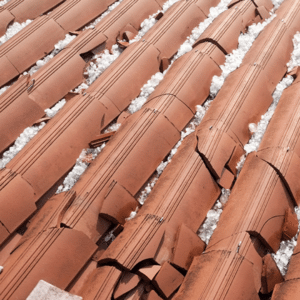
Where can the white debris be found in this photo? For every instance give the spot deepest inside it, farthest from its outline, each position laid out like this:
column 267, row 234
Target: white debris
column 145, row 26
column 46, row 291
column 12, row 30
column 132, row 214
column 103, row 61
column 112, row 127
column 276, row 4
column 86, row 156
column 283, row 255
column 57, row 48
column 19, row 144
column 2, row 90
column 51, row 112
column 3, row 2
column 1, row 269
column 210, row 224
column 234, row 59
column 146, row 90
column 256, row 138
column 27, row 135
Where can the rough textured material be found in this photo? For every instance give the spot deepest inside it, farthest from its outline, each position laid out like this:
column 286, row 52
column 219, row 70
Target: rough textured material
column 46, row 291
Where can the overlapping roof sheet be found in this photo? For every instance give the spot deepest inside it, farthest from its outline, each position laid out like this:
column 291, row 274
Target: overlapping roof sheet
column 98, row 239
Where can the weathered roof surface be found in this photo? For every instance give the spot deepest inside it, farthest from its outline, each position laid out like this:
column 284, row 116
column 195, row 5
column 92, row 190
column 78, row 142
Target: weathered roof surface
column 63, row 239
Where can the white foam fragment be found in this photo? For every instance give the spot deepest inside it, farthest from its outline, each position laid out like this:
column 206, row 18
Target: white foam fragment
column 212, row 218
column 102, row 62
column 80, row 166
column 57, row 48
column 234, row 59
column 1, row 269
column 283, row 255
column 2, row 90
column 132, row 214
column 112, row 127
column 261, row 127
column 51, row 112
column 256, row 138
column 146, row 90
column 96, row 21
column 276, row 4
column 46, row 291
column 3, row 2
column 13, row 30
column 20, row 143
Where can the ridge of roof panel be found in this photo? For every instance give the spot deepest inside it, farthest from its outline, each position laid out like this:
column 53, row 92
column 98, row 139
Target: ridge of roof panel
column 39, row 37
column 26, row 100
column 254, row 220
column 21, row 10
column 82, row 119
column 107, row 180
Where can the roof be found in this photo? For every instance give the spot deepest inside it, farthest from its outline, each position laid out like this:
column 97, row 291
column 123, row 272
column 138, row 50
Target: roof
column 82, row 240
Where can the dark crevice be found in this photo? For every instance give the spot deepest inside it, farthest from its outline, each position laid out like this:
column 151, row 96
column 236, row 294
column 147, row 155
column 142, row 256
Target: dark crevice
column 265, row 296
column 285, row 183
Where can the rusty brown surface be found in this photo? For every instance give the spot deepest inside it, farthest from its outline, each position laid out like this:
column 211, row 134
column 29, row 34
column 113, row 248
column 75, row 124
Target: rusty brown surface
column 260, row 210
column 152, row 254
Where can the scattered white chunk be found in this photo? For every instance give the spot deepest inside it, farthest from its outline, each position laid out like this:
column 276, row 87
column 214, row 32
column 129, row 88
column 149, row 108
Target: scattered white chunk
column 81, row 165
column 46, row 291
column 3, row 2
column 261, row 127
column 234, row 59
column 51, row 112
column 27, row 135
column 112, row 127
column 210, row 224
column 19, row 144
column 276, row 4
column 1, row 269
column 146, row 90
column 256, row 138
column 283, row 255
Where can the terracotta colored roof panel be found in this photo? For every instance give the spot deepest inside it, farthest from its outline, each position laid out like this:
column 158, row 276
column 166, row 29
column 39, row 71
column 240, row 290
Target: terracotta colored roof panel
column 260, row 207
column 65, row 71
column 56, row 255
column 84, row 116
column 149, row 259
column 39, row 37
